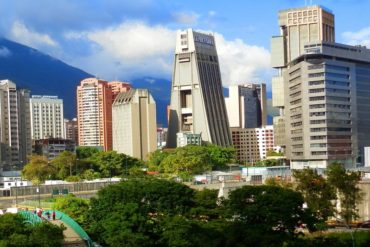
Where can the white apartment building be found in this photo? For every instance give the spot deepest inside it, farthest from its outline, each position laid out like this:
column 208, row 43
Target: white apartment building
column 47, row 118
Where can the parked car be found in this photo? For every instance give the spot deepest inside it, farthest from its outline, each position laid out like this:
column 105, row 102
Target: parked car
column 365, row 224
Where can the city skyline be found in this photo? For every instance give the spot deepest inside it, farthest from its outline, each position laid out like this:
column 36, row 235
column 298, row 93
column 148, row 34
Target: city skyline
column 81, row 36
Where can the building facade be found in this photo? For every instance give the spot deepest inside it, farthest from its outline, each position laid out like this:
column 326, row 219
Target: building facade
column 134, row 123
column 184, row 139
column 94, row 113
column 71, row 129
column 247, row 105
column 15, row 126
column 197, row 102
column 52, row 147
column 327, row 102
column 252, row 144
column 46, row 117
column 297, row 27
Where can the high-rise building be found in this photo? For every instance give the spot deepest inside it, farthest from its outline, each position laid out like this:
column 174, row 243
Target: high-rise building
column 197, row 102
column 15, row 126
column 118, row 87
column 247, row 105
column 134, row 123
column 252, row 144
column 297, row 27
column 322, row 90
column 94, row 113
column 327, row 104
column 46, row 117
column 71, row 129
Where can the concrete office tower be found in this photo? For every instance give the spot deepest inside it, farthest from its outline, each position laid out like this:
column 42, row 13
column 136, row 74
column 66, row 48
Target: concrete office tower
column 134, row 123
column 327, row 105
column 94, row 113
column 197, row 102
column 247, row 105
column 71, row 129
column 47, row 117
column 297, row 27
column 15, row 126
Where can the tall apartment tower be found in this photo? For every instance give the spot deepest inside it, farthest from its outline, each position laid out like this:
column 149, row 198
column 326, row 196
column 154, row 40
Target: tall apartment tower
column 47, row 117
column 134, row 123
column 197, row 102
column 94, row 111
column 15, row 126
column 247, row 105
column 297, row 27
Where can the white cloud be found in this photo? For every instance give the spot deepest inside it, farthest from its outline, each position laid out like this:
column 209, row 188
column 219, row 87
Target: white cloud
column 130, row 50
column 5, row 52
column 361, row 37
column 186, row 18
column 241, row 62
column 212, row 13
column 19, row 32
column 135, row 49
column 135, row 40
column 150, row 80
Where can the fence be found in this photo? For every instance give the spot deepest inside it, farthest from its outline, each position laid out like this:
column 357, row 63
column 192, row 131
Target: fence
column 55, row 189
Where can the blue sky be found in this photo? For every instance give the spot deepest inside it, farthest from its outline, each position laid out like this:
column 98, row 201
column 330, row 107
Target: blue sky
column 118, row 39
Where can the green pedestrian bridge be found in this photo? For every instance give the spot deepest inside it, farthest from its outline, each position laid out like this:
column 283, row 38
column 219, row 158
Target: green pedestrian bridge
column 74, row 235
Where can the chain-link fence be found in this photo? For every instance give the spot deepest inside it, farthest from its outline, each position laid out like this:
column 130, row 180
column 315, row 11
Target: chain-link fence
column 56, row 189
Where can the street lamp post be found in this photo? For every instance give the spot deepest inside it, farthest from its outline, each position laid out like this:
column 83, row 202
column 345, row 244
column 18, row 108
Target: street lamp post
column 16, row 193
column 38, row 192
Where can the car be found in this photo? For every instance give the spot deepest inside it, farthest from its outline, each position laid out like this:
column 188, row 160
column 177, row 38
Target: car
column 365, row 224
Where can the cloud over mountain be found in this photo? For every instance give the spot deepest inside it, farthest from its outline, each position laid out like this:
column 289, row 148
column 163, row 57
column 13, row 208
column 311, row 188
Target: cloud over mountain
column 136, row 48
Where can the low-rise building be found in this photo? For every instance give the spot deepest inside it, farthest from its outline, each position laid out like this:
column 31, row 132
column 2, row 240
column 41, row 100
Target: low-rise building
column 52, row 147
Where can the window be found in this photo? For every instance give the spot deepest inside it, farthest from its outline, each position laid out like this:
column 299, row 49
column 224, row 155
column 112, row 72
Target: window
column 317, row 90
column 315, row 66
column 317, row 98
column 313, row 75
column 321, row 121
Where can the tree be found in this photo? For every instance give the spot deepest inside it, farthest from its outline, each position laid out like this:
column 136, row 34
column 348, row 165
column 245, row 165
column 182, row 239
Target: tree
column 38, row 169
column 190, row 160
column 220, row 156
column 261, row 215
column 271, row 152
column 155, row 159
column 130, row 213
column 111, row 163
column 64, row 163
column 75, row 207
column 14, row 232
column 86, row 152
column 348, row 193
column 317, row 192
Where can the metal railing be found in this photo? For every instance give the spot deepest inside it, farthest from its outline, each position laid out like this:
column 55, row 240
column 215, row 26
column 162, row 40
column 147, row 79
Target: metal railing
column 30, row 217
column 72, row 224
column 48, row 189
